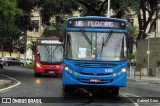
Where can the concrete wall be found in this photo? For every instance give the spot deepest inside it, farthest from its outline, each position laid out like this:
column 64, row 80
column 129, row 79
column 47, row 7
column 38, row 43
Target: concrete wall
column 154, row 49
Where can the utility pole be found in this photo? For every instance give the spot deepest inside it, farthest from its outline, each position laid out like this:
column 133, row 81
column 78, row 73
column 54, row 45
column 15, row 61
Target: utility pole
column 148, row 53
column 109, row 8
column 25, row 49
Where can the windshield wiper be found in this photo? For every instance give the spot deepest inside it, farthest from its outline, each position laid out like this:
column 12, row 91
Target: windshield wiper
column 46, row 48
column 55, row 49
column 102, row 45
column 84, row 34
column 106, row 41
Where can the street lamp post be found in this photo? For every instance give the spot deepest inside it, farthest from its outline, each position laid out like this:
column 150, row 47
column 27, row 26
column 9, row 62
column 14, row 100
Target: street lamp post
column 109, row 8
column 148, row 53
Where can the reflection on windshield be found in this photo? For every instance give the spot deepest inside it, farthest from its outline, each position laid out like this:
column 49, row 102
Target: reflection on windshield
column 50, row 53
column 105, row 46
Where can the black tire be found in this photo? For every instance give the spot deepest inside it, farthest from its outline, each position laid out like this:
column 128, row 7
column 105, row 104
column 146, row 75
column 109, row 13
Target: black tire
column 115, row 91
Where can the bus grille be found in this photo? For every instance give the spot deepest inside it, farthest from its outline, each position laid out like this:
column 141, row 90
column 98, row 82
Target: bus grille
column 95, row 65
column 98, row 74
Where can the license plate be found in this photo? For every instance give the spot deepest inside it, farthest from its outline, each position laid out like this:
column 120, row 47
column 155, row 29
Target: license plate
column 94, row 80
column 51, row 72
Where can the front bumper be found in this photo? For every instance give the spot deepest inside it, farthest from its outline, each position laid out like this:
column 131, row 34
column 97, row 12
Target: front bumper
column 69, row 79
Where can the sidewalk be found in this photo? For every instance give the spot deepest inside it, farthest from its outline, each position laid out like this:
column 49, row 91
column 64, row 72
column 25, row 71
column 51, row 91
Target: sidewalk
column 154, row 80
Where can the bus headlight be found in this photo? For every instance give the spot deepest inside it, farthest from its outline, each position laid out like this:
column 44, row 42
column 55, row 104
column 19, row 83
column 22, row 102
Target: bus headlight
column 66, row 68
column 114, row 74
column 38, row 65
column 70, row 71
column 75, row 73
column 119, row 73
column 124, row 70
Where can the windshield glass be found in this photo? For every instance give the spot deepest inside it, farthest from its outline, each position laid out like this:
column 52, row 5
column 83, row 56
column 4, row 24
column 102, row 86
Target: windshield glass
column 50, row 53
column 96, row 46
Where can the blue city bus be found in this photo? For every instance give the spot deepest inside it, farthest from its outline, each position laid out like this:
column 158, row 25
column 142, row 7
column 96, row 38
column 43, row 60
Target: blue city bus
column 95, row 53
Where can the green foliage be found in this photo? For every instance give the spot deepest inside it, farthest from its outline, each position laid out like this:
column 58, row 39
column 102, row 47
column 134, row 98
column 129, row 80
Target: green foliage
column 158, row 63
column 2, row 85
column 133, row 31
column 9, row 12
column 8, row 9
column 132, row 55
column 92, row 7
column 49, row 8
column 132, row 58
column 24, row 22
column 53, row 30
column 29, row 66
column 140, row 65
column 31, row 45
column 14, row 20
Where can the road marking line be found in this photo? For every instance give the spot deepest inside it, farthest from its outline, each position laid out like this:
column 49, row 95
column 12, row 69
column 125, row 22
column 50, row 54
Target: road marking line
column 12, row 85
column 129, row 94
column 136, row 104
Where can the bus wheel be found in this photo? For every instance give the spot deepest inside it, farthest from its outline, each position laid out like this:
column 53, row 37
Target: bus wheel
column 115, row 91
column 37, row 74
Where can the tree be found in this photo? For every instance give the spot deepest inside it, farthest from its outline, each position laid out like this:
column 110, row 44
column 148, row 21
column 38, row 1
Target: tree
column 133, row 33
column 53, row 30
column 147, row 15
column 54, row 13
column 145, row 10
column 25, row 22
column 99, row 7
column 31, row 46
column 93, row 7
column 57, row 8
column 8, row 29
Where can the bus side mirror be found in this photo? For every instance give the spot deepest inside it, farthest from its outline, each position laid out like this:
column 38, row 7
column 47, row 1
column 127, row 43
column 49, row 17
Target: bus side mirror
column 61, row 39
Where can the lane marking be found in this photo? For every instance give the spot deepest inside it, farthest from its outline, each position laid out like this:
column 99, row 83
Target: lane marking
column 129, row 94
column 136, row 104
column 18, row 83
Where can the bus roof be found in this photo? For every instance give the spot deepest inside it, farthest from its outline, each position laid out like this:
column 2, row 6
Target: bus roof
column 48, row 38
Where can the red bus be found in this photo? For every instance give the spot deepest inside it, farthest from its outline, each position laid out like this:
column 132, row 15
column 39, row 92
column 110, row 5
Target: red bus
column 48, row 56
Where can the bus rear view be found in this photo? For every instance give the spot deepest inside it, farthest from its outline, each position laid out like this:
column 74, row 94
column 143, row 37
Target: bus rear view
column 48, row 56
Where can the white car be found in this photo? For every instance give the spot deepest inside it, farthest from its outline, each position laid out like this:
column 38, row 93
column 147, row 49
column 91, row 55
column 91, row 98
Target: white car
column 29, row 61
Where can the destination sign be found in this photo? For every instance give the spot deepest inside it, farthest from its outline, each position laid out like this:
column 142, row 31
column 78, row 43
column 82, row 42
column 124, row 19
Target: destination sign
column 110, row 24
column 48, row 42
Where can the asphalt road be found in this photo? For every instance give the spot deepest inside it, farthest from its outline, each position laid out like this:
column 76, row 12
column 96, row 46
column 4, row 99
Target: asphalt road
column 51, row 87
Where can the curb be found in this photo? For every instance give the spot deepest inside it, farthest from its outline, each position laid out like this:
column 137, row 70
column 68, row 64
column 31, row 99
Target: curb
column 5, row 83
column 152, row 81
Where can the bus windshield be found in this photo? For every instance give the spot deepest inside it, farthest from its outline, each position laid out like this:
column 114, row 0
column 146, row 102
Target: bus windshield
column 96, row 46
column 49, row 53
